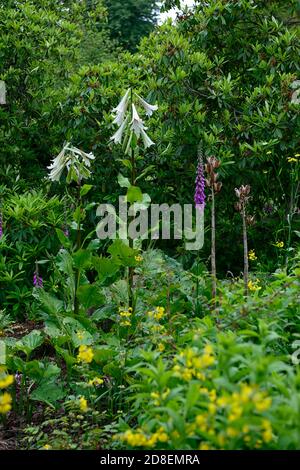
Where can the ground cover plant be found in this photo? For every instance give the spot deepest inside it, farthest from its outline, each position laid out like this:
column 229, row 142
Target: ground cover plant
column 113, row 336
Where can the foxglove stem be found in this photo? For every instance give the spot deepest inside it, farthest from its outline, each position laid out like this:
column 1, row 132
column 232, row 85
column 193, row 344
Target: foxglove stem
column 245, row 244
column 213, row 247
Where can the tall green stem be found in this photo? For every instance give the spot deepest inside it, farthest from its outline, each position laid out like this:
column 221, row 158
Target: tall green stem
column 213, row 247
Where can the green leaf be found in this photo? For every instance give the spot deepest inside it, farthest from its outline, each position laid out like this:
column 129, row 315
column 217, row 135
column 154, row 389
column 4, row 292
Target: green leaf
column 134, row 194
column 105, row 267
column 85, row 189
column 122, row 253
column 65, row 241
column 90, row 296
column 49, row 393
column 123, row 182
column 82, row 259
column 30, row 342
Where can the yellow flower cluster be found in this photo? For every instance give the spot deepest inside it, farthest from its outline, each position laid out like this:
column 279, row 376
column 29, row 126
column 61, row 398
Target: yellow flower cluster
column 5, row 399
column 95, row 381
column 157, row 314
column 252, row 256
column 141, row 439
column 159, row 397
column 6, row 381
column 138, row 258
column 193, row 363
column 235, row 406
column 85, row 354
column 5, row 403
column 83, row 405
column 279, row 244
column 125, row 315
column 254, row 286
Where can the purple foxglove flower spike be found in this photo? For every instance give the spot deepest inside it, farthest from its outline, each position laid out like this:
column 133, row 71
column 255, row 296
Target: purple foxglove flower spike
column 37, row 280
column 200, row 197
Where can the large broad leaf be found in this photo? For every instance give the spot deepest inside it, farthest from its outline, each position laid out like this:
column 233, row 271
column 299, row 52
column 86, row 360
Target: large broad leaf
column 122, row 253
column 30, row 342
column 89, row 295
column 48, row 392
column 50, row 304
column 82, row 259
column 105, row 267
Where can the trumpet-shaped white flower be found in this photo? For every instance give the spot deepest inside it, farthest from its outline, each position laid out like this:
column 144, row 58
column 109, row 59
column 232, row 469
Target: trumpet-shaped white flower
column 149, row 108
column 121, row 109
column 146, row 139
column 131, row 120
column 71, row 157
column 117, row 137
column 137, row 124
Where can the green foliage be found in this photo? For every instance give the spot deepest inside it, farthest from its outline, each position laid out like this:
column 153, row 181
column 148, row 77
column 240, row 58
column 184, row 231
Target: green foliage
column 130, row 20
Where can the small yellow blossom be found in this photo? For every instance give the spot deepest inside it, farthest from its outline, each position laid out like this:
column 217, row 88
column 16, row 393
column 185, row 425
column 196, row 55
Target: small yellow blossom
column 85, row 354
column 159, row 313
column 96, row 381
column 253, row 286
column 7, row 381
column 125, row 323
column 161, row 347
column 204, row 446
column 292, row 160
column 138, row 258
column 279, row 244
column 5, row 403
column 232, row 432
column 267, row 435
column 83, row 405
column 46, row 447
column 252, row 256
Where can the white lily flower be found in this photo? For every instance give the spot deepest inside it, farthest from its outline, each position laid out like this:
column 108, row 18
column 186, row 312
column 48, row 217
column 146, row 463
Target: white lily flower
column 137, row 124
column 70, row 156
column 117, row 137
column 149, row 108
column 121, row 109
column 146, row 139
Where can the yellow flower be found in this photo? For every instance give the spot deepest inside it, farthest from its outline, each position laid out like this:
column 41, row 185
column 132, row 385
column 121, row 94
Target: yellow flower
column 5, row 403
column 292, row 160
column 96, row 381
column 7, row 381
column 279, row 244
column 222, row 401
column 125, row 313
column 83, row 405
column 253, row 286
column 161, row 347
column 252, row 256
column 232, row 432
column 80, row 335
column 125, row 323
column 85, row 354
column 262, row 403
column 208, row 349
column 204, row 446
column 46, row 447
column 245, row 429
column 159, row 313
column 267, row 431
column 138, row 258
